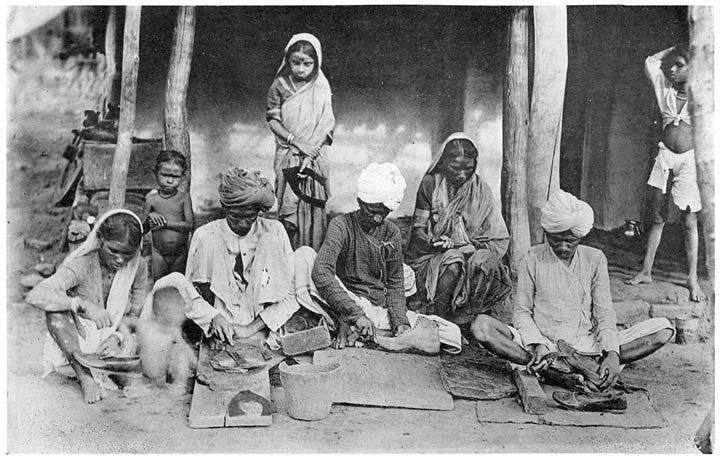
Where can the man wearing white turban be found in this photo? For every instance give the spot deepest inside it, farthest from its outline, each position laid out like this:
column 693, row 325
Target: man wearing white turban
column 359, row 272
column 563, row 293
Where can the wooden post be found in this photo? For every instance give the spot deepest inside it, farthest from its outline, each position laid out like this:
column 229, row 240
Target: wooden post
column 128, row 94
column 515, row 138
column 111, row 74
column 548, row 93
column 703, row 115
column 177, row 136
column 702, row 54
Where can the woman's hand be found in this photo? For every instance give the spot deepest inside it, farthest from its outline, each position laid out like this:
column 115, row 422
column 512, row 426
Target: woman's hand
column 93, row 312
column 443, row 242
column 305, row 148
column 401, row 329
column 156, row 220
column 110, row 347
column 306, row 161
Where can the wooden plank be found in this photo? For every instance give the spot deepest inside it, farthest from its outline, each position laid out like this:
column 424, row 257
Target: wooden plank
column 531, row 394
column 212, row 403
column 207, row 409
column 377, row 378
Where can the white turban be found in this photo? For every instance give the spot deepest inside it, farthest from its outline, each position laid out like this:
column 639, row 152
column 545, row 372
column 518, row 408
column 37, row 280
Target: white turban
column 381, row 183
column 564, row 212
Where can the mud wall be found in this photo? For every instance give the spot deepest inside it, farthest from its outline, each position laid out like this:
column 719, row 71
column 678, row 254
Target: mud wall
column 610, row 123
column 397, row 75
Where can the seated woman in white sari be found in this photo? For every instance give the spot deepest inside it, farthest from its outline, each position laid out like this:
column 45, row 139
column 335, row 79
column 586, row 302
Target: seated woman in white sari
column 88, row 299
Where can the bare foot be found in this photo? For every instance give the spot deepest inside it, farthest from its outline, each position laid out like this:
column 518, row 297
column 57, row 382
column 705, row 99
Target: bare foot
column 641, row 277
column 92, row 392
column 696, row 293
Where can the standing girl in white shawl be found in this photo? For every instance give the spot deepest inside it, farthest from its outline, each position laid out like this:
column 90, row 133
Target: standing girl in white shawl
column 299, row 113
column 96, row 287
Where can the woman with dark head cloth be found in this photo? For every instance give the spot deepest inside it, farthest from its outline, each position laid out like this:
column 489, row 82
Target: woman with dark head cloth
column 457, row 238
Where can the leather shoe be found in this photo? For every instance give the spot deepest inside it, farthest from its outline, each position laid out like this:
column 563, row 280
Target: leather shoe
column 424, row 337
column 591, row 402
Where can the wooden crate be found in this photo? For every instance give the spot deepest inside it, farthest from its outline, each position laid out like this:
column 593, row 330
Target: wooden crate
column 97, row 159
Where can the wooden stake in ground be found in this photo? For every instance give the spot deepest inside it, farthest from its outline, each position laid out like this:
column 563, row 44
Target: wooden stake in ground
column 702, row 54
column 177, row 136
column 548, row 93
column 128, row 95
column 515, row 138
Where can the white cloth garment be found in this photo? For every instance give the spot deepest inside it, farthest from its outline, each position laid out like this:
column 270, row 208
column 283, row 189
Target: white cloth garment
column 685, row 190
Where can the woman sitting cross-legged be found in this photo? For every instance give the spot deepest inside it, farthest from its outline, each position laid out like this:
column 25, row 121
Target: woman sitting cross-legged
column 457, row 238
column 89, row 299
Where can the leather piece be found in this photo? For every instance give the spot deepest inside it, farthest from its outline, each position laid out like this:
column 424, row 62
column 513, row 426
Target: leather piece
column 591, row 402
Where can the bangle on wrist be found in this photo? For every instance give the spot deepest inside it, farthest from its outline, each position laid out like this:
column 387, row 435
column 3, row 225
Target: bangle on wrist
column 290, row 139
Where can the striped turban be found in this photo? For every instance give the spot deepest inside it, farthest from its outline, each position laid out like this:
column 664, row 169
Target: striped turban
column 246, row 188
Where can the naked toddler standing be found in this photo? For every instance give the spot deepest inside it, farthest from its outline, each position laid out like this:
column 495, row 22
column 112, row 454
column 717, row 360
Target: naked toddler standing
column 169, row 215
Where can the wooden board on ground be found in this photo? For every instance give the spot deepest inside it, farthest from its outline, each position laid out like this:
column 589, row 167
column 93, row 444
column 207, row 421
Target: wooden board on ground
column 230, row 399
column 377, row 378
column 640, row 414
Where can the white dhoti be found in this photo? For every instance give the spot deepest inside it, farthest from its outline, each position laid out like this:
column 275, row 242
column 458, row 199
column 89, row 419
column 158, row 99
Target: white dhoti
column 450, row 337
column 685, row 190
column 590, row 345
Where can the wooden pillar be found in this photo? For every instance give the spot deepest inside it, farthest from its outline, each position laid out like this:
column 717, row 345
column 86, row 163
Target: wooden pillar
column 112, row 95
column 548, row 93
column 515, row 138
column 177, row 136
column 128, row 94
column 702, row 54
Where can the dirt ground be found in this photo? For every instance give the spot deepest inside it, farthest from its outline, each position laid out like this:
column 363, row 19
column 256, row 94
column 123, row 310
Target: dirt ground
column 48, row 415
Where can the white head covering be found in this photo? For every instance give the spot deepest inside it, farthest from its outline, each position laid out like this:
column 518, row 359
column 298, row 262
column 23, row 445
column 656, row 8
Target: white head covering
column 310, row 38
column 117, row 300
column 381, row 183
column 563, row 212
